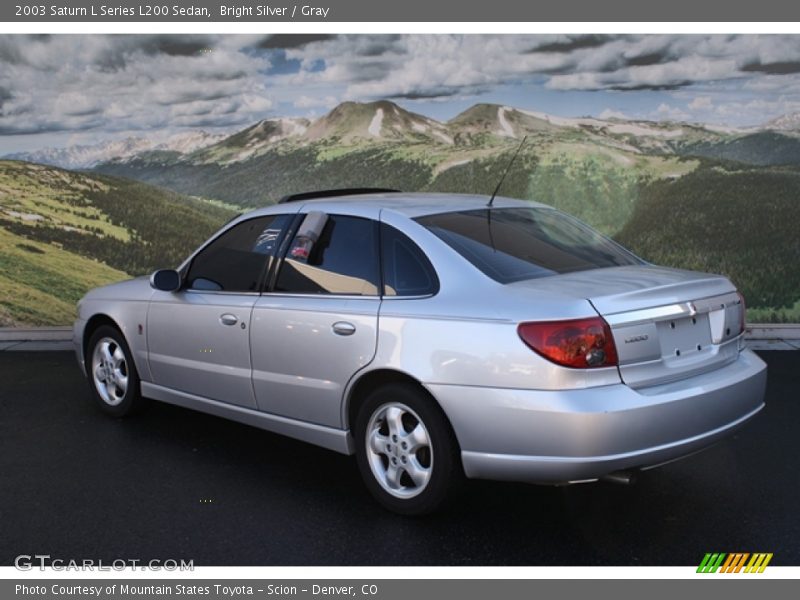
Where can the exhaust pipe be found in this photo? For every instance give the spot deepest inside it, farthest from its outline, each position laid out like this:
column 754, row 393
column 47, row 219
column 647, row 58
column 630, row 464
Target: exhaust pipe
column 620, row 477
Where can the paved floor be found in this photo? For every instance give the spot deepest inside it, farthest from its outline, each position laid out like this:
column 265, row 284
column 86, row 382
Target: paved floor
column 173, row 483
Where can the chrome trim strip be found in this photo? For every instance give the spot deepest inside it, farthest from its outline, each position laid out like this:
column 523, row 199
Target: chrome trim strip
column 316, row 296
column 683, row 309
column 345, row 296
column 649, row 314
column 219, row 292
column 421, row 297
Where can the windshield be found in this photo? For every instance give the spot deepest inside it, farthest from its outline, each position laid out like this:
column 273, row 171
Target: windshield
column 513, row 244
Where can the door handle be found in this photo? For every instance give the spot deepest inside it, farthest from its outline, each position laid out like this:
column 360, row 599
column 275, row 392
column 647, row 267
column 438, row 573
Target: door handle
column 343, row 328
column 228, row 319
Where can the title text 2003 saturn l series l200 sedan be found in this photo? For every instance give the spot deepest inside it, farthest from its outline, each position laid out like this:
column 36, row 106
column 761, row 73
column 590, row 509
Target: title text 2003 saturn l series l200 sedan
column 434, row 337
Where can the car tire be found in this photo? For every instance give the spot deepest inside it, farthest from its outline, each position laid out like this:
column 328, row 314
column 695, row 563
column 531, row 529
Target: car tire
column 406, row 450
column 113, row 379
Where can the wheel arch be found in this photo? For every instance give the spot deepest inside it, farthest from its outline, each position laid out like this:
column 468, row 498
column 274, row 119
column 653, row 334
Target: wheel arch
column 361, row 387
column 98, row 320
column 442, row 483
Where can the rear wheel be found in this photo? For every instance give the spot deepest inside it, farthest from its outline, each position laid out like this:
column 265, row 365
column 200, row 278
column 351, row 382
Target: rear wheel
column 113, row 380
column 406, row 450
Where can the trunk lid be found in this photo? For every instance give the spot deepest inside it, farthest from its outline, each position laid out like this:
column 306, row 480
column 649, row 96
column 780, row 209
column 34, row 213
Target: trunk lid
column 668, row 324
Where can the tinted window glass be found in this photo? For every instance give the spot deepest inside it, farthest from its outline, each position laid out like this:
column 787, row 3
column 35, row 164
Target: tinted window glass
column 235, row 261
column 406, row 269
column 512, row 244
column 342, row 261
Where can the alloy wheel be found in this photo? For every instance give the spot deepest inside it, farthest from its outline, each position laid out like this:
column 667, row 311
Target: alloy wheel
column 110, row 371
column 399, row 450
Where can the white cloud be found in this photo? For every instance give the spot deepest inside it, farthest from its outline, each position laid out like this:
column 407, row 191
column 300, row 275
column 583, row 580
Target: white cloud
column 610, row 113
column 428, row 65
column 701, row 103
column 425, row 65
column 672, row 113
column 128, row 83
column 758, row 110
column 316, row 102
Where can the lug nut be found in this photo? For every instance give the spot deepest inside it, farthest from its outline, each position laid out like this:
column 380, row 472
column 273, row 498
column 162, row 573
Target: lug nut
column 394, row 438
column 404, row 445
column 404, row 459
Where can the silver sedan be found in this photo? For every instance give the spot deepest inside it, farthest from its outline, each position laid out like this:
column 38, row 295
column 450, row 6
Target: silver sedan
column 434, row 336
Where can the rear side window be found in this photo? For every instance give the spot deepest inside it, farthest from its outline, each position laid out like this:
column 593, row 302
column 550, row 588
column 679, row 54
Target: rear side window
column 344, row 260
column 236, row 260
column 406, row 269
column 513, row 244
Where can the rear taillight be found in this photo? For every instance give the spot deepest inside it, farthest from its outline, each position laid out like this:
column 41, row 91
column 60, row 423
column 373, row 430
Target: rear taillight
column 578, row 343
column 742, row 312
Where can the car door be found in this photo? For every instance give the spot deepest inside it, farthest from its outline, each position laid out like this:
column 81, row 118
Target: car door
column 199, row 337
column 318, row 324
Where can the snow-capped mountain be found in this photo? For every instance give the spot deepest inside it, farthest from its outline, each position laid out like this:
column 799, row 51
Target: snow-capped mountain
column 89, row 155
column 787, row 122
column 85, row 156
column 354, row 124
column 189, row 141
column 376, row 121
column 248, row 142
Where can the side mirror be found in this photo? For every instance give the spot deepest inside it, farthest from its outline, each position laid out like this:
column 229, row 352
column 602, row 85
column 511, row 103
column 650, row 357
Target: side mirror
column 166, row 280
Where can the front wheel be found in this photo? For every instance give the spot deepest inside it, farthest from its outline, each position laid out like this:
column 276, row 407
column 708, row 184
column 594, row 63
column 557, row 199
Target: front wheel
column 113, row 380
column 406, row 450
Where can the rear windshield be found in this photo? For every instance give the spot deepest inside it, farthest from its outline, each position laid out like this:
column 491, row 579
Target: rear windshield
column 513, row 244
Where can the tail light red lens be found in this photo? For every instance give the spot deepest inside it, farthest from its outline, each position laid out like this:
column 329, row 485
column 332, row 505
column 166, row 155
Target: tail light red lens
column 578, row 343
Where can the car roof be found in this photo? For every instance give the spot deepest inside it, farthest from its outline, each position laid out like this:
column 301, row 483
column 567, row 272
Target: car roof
column 411, row 205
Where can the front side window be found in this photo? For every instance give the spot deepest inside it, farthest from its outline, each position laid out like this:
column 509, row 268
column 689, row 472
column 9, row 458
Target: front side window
column 341, row 259
column 237, row 260
column 513, row 244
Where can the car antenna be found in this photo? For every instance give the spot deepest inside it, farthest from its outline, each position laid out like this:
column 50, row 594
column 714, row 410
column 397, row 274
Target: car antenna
column 508, row 168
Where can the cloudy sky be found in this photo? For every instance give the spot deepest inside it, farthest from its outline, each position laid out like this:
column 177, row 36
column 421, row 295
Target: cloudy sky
column 68, row 89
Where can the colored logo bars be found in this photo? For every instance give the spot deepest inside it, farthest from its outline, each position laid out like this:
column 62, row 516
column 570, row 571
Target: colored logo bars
column 734, row 562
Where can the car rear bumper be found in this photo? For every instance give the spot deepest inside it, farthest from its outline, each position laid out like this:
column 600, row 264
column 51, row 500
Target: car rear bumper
column 583, row 434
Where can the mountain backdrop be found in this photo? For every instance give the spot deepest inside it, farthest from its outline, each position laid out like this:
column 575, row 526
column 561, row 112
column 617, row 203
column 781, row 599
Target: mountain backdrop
column 681, row 194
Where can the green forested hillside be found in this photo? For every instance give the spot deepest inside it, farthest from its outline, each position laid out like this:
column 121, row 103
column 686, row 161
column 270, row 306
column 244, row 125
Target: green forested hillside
column 264, row 179
column 682, row 211
column 40, row 282
column 763, row 148
column 481, row 174
column 742, row 222
column 678, row 194
column 62, row 233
